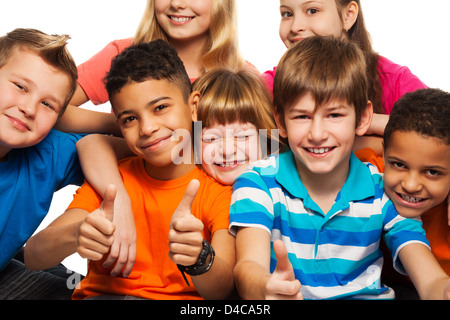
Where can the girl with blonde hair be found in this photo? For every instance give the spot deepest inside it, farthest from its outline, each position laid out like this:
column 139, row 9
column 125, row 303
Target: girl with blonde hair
column 203, row 33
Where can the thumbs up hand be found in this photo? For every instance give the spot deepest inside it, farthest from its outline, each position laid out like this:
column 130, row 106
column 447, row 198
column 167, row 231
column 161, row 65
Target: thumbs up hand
column 186, row 231
column 95, row 235
column 282, row 284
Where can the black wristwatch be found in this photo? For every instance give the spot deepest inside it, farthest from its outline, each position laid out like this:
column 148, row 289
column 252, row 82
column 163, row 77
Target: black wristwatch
column 203, row 264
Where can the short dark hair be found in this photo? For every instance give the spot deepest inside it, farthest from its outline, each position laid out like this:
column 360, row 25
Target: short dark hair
column 425, row 111
column 327, row 68
column 155, row 60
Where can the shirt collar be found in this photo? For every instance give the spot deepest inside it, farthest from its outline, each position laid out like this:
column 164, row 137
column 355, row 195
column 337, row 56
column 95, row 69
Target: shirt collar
column 356, row 187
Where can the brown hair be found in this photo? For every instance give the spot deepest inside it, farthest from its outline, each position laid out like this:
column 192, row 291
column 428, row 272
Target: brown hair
column 358, row 33
column 51, row 48
column 327, row 68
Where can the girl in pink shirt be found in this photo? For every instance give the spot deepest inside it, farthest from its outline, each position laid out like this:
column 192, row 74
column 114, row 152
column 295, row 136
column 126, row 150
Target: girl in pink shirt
column 344, row 19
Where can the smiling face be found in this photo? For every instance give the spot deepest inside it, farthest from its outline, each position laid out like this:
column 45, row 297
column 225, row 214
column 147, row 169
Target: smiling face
column 417, row 172
column 151, row 115
column 321, row 138
column 227, row 150
column 302, row 19
column 32, row 96
column 184, row 20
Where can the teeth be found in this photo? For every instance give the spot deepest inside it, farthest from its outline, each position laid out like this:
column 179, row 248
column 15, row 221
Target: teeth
column 180, row 19
column 223, row 165
column 411, row 199
column 228, row 164
column 318, row 150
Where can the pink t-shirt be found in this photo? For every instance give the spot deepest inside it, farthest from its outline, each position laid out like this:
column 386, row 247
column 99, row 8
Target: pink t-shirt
column 395, row 82
column 92, row 72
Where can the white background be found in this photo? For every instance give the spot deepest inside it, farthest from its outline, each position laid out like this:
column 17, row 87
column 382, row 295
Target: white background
column 414, row 33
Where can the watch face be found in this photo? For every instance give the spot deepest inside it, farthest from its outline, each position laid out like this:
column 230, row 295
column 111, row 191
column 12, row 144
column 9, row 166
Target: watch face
column 203, row 264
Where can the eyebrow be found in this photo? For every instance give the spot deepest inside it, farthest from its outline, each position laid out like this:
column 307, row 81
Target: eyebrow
column 438, row 168
column 149, row 104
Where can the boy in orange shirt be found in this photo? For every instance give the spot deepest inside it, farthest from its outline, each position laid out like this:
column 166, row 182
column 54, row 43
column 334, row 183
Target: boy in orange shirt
column 417, row 167
column 180, row 224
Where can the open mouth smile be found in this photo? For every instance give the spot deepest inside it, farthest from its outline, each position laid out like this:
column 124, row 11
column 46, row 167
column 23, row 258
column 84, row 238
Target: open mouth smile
column 319, row 151
column 229, row 165
column 410, row 199
column 180, row 20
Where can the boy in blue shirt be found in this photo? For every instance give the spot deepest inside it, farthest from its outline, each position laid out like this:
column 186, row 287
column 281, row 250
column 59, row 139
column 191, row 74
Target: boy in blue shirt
column 37, row 80
column 308, row 222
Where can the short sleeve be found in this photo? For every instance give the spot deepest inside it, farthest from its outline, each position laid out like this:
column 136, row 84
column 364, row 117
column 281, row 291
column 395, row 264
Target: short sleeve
column 251, row 203
column 91, row 73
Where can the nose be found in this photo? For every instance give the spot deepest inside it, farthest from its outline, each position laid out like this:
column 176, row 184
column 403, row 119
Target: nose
column 228, row 147
column 28, row 107
column 317, row 130
column 298, row 24
column 411, row 182
column 148, row 127
column 178, row 4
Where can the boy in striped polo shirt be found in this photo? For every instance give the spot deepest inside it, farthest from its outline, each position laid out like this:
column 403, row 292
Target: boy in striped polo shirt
column 308, row 222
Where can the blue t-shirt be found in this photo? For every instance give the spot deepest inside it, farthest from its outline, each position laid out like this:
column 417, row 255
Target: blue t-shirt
column 28, row 180
column 334, row 254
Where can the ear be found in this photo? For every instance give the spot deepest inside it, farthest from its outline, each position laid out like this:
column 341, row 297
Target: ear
column 366, row 120
column 194, row 101
column 279, row 120
column 350, row 15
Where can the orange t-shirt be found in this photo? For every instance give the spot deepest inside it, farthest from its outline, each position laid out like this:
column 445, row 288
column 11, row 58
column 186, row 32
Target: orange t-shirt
column 154, row 275
column 434, row 221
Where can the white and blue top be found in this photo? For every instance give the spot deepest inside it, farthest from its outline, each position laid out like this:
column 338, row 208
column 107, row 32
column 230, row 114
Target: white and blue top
column 335, row 255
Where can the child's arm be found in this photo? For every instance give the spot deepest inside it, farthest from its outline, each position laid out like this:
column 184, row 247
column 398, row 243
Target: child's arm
column 374, row 136
column 80, row 120
column 431, row 282
column 252, row 271
column 98, row 157
column 186, row 243
column 76, row 230
column 378, row 124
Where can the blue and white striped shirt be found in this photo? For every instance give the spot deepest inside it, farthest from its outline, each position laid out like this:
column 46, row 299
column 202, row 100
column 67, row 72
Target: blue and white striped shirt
column 334, row 255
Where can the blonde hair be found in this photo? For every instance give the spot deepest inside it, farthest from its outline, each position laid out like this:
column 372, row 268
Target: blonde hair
column 222, row 48
column 228, row 96
column 51, row 48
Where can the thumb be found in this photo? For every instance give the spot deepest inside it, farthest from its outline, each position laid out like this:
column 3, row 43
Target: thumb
column 186, row 203
column 108, row 202
column 284, row 266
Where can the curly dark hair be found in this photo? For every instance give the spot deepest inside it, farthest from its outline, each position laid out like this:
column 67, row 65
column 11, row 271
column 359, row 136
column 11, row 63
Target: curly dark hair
column 425, row 111
column 155, row 60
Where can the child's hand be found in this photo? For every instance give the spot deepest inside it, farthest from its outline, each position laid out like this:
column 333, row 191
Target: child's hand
column 186, row 231
column 95, row 235
column 282, row 285
column 123, row 250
